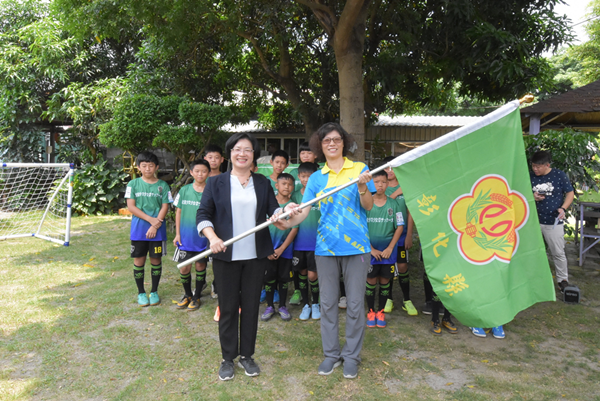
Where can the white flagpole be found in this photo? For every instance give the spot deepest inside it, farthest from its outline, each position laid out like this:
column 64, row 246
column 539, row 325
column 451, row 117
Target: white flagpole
column 403, row 158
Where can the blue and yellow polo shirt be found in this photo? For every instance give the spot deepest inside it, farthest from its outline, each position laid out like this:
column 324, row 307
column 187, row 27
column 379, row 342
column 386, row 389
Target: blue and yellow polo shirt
column 343, row 226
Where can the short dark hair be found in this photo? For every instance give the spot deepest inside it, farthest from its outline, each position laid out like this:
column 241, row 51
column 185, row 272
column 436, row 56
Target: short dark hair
column 147, row 157
column 210, row 148
column 286, row 176
column 304, row 147
column 388, row 159
column 281, row 153
column 307, row 167
column 199, row 162
column 317, row 138
column 541, row 157
column 380, row 173
column 238, row 136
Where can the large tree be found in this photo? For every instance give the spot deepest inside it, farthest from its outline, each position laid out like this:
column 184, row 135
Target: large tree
column 39, row 60
column 401, row 53
column 391, row 55
column 246, row 52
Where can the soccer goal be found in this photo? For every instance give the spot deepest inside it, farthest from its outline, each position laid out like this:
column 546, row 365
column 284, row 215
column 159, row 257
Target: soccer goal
column 35, row 201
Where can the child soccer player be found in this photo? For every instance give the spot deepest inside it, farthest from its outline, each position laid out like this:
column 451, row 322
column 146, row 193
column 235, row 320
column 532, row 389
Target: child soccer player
column 386, row 222
column 304, row 265
column 306, row 156
column 404, row 244
column 148, row 200
column 213, row 154
column 187, row 240
column 279, row 160
column 279, row 265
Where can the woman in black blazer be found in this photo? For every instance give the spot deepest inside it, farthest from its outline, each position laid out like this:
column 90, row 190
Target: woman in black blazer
column 233, row 203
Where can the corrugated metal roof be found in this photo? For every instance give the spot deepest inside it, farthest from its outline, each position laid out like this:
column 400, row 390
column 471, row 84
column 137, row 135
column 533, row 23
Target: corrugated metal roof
column 252, row 126
column 581, row 100
column 384, row 121
column 425, row 121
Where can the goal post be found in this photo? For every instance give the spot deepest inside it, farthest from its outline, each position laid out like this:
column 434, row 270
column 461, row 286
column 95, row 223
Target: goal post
column 35, row 201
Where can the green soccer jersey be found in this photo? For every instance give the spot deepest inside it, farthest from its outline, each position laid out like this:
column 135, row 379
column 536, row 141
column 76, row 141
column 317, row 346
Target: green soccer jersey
column 297, row 183
column 306, row 238
column 400, row 199
column 279, row 236
column 188, row 200
column 382, row 222
column 273, row 182
column 390, row 190
column 149, row 198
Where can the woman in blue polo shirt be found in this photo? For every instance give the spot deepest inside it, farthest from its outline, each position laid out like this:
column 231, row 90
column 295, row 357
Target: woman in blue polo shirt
column 342, row 246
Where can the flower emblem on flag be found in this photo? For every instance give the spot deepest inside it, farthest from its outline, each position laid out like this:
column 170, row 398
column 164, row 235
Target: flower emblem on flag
column 487, row 220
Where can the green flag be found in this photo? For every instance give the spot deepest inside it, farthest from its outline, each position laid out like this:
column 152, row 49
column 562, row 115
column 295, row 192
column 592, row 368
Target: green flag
column 469, row 193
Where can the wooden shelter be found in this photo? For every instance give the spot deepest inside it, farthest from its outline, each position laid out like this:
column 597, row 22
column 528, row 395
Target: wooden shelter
column 578, row 109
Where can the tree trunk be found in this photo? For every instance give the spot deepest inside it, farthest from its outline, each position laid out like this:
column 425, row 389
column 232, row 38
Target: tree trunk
column 348, row 45
column 352, row 100
column 310, row 124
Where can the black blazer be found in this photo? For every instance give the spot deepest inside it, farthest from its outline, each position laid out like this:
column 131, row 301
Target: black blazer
column 216, row 208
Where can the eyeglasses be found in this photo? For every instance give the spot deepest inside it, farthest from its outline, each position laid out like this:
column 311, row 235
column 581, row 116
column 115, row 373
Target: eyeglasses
column 535, row 166
column 240, row 150
column 337, row 140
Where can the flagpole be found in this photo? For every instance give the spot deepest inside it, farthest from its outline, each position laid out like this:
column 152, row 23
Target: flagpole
column 282, row 216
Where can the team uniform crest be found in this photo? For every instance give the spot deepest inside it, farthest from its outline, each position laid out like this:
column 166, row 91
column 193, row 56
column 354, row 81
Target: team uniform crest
column 487, row 220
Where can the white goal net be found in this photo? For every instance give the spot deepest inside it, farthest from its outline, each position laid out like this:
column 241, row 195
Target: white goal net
column 35, row 201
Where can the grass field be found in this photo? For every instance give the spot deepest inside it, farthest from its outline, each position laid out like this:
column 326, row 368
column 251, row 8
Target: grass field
column 71, row 330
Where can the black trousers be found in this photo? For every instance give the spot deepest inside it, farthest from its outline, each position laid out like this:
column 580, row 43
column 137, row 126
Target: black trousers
column 240, row 283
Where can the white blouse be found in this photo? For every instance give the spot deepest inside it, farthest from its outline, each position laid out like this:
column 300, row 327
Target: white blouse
column 243, row 211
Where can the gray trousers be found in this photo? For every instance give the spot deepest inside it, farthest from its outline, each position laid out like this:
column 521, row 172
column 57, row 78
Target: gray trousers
column 354, row 268
column 555, row 238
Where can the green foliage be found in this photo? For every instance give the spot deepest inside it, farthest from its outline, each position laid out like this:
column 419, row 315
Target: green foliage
column 175, row 123
column 87, row 106
column 416, row 54
column 97, row 189
column 207, row 117
column 136, row 122
column 588, row 53
column 574, row 152
column 36, row 60
column 567, row 71
column 22, row 146
column 42, row 66
column 279, row 116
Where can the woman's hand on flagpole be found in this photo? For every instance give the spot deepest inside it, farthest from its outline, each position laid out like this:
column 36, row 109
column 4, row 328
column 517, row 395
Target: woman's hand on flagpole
column 366, row 199
column 284, row 224
column 217, row 245
column 280, row 224
column 363, row 178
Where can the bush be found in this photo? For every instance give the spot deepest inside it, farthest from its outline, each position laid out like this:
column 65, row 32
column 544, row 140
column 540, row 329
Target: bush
column 97, row 189
column 574, row 152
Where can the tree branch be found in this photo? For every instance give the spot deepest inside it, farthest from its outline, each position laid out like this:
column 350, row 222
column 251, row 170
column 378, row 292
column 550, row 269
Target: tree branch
column 261, row 55
column 325, row 15
column 278, row 95
column 353, row 10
